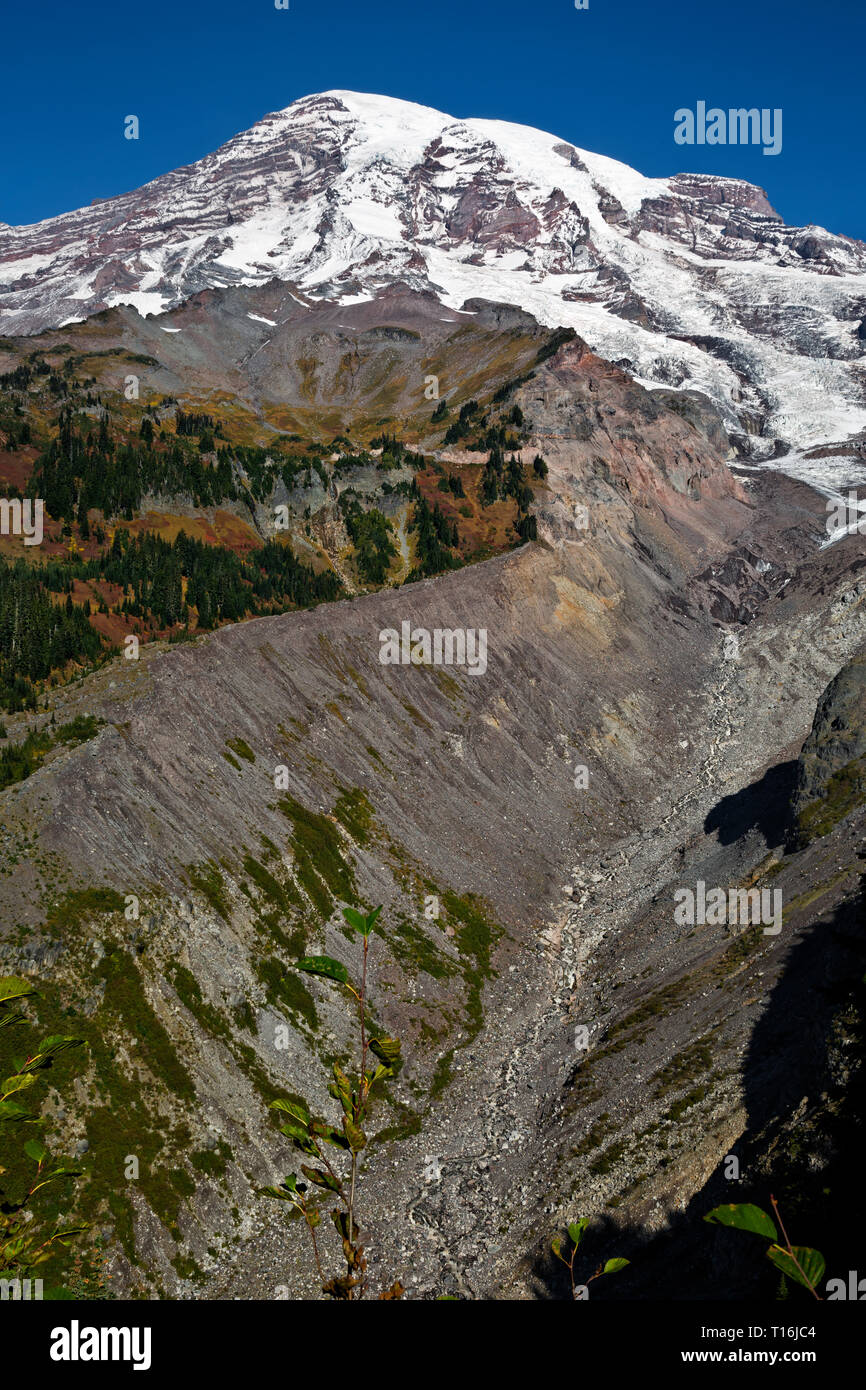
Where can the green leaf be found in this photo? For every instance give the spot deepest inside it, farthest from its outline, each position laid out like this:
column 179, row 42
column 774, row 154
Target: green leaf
column 811, row 1263
column 356, row 1137
column 577, row 1228
column 289, row 1190
column 35, row 1149
column 745, row 1217
column 380, row 1074
column 320, row 1177
column 328, row 1134
column 59, row 1042
column 51, row 1048
column 10, row 1111
column 324, row 965
column 292, row 1108
column 65, row 1235
column 612, row 1266
column 58, row 1173
column 16, row 1083
column 556, row 1247
column 295, row 1132
column 361, row 922
column 342, row 1089
column 386, row 1049
column 11, row 987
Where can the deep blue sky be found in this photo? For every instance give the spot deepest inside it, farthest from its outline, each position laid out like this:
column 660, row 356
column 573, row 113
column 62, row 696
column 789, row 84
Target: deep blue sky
column 608, row 79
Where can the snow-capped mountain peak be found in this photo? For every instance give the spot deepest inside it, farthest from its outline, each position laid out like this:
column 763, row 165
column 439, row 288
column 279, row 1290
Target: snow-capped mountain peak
column 690, row 281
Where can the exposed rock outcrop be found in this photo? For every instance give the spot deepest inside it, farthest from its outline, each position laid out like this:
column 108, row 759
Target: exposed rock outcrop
column 831, row 771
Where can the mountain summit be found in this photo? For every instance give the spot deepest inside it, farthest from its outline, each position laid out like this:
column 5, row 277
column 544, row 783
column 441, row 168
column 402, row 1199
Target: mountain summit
column 691, row 281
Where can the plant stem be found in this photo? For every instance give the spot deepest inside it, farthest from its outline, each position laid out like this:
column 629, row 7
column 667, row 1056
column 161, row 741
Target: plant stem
column 363, row 1026
column 809, row 1285
column 312, row 1231
column 358, row 1114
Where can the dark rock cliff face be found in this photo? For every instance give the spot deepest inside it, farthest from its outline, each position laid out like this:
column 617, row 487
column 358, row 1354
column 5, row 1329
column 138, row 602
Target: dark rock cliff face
column 831, row 772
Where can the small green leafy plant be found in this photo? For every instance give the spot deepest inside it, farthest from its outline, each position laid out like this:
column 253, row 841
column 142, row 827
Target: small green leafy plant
column 25, row 1242
column 568, row 1255
column 798, row 1262
column 337, row 1177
